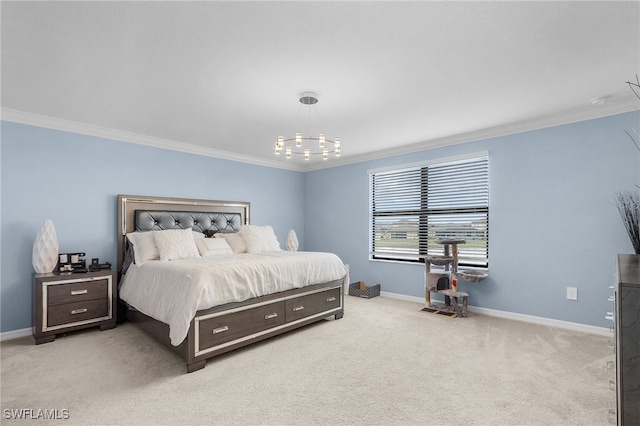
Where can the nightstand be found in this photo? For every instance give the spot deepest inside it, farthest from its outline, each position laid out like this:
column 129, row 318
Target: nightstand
column 66, row 301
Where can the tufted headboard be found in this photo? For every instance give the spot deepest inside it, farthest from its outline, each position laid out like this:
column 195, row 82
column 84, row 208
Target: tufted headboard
column 205, row 222
column 143, row 213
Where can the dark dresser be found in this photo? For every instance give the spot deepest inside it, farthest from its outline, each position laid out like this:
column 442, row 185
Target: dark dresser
column 627, row 325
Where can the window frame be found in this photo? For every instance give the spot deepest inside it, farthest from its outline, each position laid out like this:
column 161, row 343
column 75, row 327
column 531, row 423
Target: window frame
column 424, row 215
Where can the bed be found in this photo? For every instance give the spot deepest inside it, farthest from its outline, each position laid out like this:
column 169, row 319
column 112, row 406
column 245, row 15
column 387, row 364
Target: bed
column 216, row 300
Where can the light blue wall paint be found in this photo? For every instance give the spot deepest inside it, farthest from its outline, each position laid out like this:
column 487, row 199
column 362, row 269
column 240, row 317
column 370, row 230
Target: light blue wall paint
column 553, row 220
column 75, row 179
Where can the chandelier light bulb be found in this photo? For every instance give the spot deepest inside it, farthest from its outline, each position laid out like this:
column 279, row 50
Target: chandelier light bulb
column 288, row 153
column 325, row 153
column 306, row 154
column 321, row 140
column 298, row 139
column 279, row 145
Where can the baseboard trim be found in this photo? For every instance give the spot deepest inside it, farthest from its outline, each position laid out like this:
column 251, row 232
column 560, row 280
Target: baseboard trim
column 602, row 331
column 583, row 328
column 15, row 334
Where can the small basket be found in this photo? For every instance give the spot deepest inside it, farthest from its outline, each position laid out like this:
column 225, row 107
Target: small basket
column 360, row 289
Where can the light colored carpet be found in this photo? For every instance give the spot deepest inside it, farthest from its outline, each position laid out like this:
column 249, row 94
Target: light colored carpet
column 385, row 363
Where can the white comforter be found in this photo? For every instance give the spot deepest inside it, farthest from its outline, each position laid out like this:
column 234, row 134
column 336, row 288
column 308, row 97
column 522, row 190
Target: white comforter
column 172, row 291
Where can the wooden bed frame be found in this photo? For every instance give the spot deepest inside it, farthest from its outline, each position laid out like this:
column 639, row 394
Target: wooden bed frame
column 227, row 327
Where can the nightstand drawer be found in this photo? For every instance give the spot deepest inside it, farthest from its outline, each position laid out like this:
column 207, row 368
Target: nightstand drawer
column 77, row 311
column 75, row 292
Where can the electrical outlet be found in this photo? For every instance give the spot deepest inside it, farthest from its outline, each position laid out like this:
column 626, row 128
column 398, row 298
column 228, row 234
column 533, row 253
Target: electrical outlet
column 572, row 293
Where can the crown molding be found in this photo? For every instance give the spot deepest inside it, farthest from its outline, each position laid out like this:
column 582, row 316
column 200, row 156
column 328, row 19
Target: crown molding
column 588, row 113
column 122, row 136
column 573, row 116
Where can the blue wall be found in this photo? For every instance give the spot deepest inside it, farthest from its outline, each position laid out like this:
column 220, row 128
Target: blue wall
column 553, row 221
column 75, row 179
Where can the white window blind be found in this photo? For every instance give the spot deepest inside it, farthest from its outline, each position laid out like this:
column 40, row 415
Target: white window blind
column 413, row 208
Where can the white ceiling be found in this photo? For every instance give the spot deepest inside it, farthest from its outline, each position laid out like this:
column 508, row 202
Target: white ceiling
column 223, row 78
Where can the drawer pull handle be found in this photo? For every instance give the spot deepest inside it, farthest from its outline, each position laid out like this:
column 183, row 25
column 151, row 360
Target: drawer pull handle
column 330, row 299
column 269, row 316
column 609, row 316
column 220, row 329
column 298, row 308
column 77, row 292
column 78, row 311
column 612, row 299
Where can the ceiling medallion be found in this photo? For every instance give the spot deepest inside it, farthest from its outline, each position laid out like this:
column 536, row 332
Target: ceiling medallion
column 307, row 145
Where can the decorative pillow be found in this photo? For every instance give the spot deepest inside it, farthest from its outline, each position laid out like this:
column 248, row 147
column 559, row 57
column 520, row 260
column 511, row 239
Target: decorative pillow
column 176, row 244
column 213, row 246
column 198, row 235
column 235, row 240
column 144, row 246
column 259, row 238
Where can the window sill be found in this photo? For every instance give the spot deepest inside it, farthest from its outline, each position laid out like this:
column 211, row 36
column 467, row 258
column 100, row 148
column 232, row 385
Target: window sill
column 482, row 269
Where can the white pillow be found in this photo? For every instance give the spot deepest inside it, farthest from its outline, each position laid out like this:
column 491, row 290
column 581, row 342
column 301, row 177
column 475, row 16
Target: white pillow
column 259, row 238
column 235, row 240
column 213, row 246
column 144, row 246
column 198, row 235
column 176, row 244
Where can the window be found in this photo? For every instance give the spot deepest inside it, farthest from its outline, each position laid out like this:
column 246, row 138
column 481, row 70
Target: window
column 414, row 207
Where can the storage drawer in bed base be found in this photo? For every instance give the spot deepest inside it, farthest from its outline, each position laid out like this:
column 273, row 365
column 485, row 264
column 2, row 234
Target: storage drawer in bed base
column 217, row 329
column 211, row 324
column 262, row 333
column 195, row 356
column 309, row 304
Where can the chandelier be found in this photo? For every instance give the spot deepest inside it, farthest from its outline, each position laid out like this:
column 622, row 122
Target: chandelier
column 307, row 145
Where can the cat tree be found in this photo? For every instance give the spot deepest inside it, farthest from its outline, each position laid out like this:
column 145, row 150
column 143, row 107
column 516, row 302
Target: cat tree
column 445, row 281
